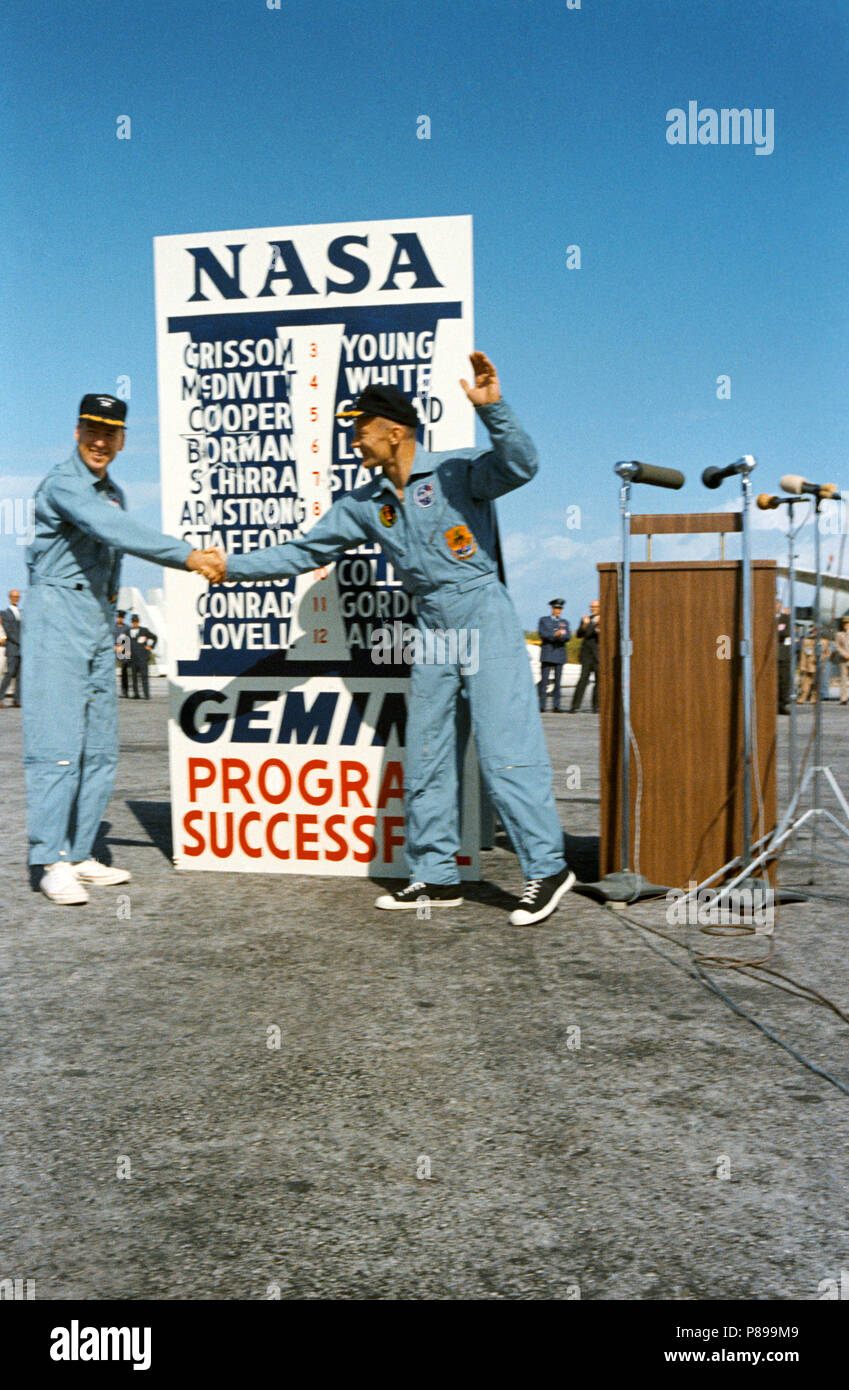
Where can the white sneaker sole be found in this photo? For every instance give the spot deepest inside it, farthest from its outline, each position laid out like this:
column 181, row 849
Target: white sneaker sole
column 110, row 880
column 521, row 918
column 67, row 899
column 390, row 905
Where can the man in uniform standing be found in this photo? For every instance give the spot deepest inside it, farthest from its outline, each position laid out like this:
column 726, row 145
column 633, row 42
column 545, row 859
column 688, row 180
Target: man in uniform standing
column 71, row 714
column 434, row 518
column 555, row 633
column 10, row 619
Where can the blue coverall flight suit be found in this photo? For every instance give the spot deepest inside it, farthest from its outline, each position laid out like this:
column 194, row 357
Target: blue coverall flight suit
column 441, row 541
column 70, row 717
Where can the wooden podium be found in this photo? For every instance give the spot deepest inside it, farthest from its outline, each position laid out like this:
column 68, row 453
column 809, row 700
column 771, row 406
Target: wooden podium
column 686, row 710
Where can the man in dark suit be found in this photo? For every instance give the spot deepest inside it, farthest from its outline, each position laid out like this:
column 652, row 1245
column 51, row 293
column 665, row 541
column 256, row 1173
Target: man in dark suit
column 11, row 621
column 782, row 633
column 123, row 652
column 588, row 632
column 555, row 633
column 142, row 642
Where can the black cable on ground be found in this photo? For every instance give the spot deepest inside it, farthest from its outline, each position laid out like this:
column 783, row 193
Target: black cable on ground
column 710, row 984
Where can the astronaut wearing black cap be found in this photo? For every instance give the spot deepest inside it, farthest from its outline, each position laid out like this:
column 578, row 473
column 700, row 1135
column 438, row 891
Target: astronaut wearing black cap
column 68, row 652
column 433, row 515
column 554, row 632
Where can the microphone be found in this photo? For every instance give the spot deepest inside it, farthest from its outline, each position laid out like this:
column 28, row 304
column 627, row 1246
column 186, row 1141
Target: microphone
column 791, row 482
column 649, row 473
column 768, row 503
column 712, row 477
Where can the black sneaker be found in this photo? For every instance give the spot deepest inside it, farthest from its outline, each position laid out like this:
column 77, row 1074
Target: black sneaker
column 417, row 894
column 541, row 897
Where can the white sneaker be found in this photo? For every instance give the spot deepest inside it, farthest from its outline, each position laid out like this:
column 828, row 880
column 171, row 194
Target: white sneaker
column 60, row 884
column 541, row 897
column 428, row 894
column 100, row 875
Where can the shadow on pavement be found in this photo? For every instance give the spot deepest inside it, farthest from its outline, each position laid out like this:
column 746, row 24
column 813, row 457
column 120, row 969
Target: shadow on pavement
column 155, row 818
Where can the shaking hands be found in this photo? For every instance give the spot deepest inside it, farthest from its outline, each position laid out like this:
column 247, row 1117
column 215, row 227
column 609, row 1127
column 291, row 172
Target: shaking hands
column 211, row 563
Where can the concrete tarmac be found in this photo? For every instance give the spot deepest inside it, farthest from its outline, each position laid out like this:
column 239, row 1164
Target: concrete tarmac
column 456, row 1109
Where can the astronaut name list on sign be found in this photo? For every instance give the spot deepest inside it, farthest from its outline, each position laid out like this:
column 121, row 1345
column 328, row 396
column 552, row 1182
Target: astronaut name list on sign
column 388, row 359
column 259, row 503
column 241, row 503
column 402, row 359
column 238, row 416
column 257, row 618
column 256, row 825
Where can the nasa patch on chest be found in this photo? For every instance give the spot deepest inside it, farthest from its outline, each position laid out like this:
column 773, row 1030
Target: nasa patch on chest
column 461, row 542
column 387, row 514
column 424, row 495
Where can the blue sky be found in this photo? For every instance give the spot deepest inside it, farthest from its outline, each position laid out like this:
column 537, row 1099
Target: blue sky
column 548, row 126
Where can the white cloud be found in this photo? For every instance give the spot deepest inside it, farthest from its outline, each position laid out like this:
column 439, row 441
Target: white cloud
column 19, row 484
column 524, row 553
column 539, row 564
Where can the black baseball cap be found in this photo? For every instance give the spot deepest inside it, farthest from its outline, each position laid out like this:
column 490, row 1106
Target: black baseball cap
column 556, row 602
column 104, row 410
column 386, row 401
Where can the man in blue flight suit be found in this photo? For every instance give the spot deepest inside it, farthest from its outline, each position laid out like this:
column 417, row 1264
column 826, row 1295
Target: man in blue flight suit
column 70, row 716
column 555, row 633
column 434, row 518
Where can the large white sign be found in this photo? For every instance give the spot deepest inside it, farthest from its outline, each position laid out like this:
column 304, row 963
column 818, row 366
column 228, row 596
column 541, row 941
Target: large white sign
column 286, row 736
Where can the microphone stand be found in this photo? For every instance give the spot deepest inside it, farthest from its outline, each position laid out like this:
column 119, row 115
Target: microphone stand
column 818, row 681
column 748, row 864
column 631, row 472
column 746, row 652
column 791, row 570
column 627, row 472
column 790, row 823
